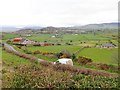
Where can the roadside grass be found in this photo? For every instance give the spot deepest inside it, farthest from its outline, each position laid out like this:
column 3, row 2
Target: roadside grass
column 13, row 60
column 48, row 58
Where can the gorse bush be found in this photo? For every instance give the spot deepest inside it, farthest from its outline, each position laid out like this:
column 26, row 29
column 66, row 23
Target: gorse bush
column 71, row 69
column 34, row 76
column 83, row 60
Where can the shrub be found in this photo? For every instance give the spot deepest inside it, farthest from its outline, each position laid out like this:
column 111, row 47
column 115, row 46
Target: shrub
column 83, row 60
column 58, row 44
column 103, row 66
column 67, row 53
column 58, row 54
column 45, row 63
column 63, row 56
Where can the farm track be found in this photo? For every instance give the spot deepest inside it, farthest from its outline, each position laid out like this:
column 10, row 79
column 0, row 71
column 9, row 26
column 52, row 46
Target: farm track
column 9, row 48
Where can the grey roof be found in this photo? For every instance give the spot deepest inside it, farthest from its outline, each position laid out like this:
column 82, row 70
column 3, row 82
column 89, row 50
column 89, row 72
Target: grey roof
column 107, row 45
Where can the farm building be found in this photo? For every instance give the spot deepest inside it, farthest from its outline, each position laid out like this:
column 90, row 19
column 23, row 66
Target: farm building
column 107, row 46
column 17, row 40
column 23, row 41
column 27, row 42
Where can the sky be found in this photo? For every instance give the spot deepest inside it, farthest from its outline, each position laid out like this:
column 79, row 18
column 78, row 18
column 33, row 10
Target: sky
column 57, row 12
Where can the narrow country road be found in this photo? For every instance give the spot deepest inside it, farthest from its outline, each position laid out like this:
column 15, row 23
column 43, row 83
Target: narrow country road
column 11, row 49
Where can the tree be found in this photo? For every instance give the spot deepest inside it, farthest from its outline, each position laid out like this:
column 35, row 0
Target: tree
column 73, row 57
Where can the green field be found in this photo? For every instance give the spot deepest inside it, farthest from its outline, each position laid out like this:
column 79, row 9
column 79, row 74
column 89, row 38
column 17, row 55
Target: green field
column 67, row 37
column 13, row 60
column 54, row 49
column 78, row 41
column 21, row 73
column 10, row 36
column 101, row 55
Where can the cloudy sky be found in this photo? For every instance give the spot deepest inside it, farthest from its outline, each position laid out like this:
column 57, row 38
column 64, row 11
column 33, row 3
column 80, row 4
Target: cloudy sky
column 57, row 12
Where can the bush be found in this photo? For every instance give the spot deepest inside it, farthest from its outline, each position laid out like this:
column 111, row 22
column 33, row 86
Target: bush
column 46, row 63
column 63, row 56
column 103, row 66
column 58, row 54
column 67, row 53
column 83, row 60
column 36, row 52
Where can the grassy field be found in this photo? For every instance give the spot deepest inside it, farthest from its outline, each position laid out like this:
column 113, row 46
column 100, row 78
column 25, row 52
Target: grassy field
column 10, row 36
column 67, row 37
column 101, row 55
column 13, row 60
column 54, row 49
column 36, row 76
column 78, row 41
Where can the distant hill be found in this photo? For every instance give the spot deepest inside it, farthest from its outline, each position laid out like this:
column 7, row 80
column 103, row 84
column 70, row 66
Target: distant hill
column 100, row 26
column 39, row 29
column 16, row 28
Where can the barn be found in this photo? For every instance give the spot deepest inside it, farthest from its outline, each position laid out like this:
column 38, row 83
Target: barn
column 23, row 41
column 17, row 40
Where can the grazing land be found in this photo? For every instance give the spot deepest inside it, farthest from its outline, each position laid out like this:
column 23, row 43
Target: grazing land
column 85, row 50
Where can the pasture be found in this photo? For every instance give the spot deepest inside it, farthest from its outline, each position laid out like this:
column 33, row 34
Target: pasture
column 101, row 55
column 18, row 71
column 54, row 49
column 77, row 41
column 98, row 55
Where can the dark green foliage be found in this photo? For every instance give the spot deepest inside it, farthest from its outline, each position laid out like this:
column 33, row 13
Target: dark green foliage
column 73, row 57
column 58, row 54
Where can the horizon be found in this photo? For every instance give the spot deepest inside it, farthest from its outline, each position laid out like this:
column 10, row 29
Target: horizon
column 12, row 28
column 22, row 26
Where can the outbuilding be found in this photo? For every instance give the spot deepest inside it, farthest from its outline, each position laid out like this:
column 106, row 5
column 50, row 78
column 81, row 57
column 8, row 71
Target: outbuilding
column 107, row 46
